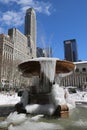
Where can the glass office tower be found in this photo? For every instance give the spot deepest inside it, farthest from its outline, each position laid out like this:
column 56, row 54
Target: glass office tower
column 70, row 50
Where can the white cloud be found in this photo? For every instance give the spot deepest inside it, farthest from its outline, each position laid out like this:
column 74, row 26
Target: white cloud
column 2, row 30
column 7, row 1
column 24, row 2
column 24, row 8
column 12, row 18
column 40, row 6
column 43, row 7
column 47, row 9
column 15, row 16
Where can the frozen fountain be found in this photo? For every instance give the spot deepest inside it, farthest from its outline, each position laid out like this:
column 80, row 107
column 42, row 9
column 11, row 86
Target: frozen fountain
column 45, row 96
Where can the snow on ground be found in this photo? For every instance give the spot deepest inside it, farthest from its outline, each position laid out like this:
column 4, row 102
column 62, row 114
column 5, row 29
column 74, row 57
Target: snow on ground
column 9, row 99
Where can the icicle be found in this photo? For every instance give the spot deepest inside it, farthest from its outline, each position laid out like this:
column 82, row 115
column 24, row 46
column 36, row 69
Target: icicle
column 48, row 69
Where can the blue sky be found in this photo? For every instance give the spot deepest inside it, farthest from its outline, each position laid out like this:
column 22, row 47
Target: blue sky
column 57, row 20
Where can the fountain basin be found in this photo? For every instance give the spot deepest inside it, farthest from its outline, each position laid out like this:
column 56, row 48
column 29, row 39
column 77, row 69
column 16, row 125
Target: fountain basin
column 33, row 66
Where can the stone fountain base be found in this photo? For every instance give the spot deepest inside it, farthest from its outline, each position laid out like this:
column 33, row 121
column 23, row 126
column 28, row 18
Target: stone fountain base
column 41, row 98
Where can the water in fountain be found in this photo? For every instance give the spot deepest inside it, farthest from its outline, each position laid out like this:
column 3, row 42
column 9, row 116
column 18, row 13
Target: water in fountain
column 20, row 122
column 77, row 120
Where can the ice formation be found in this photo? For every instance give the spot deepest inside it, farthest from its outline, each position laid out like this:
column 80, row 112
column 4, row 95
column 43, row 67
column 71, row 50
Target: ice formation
column 57, row 94
column 48, row 68
column 20, row 122
column 47, row 109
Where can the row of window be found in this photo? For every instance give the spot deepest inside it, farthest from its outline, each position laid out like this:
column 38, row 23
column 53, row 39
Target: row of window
column 8, row 56
column 83, row 70
column 8, row 48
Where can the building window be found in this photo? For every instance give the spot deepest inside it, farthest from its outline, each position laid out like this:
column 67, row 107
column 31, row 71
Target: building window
column 77, row 70
column 86, row 79
column 83, row 69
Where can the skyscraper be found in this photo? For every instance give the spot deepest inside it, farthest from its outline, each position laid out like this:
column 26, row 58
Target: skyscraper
column 70, row 50
column 44, row 52
column 30, row 29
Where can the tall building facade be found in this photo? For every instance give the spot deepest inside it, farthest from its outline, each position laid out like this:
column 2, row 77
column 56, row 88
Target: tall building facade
column 30, row 30
column 16, row 48
column 21, row 53
column 78, row 78
column 70, row 50
column 47, row 52
column 6, row 60
column 40, row 52
column 44, row 52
